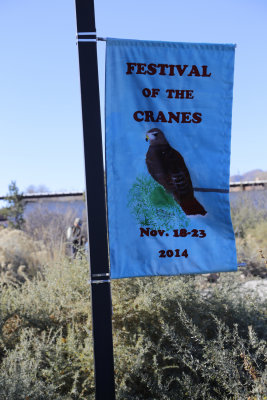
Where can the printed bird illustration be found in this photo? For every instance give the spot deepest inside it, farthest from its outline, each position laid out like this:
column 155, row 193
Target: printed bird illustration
column 168, row 168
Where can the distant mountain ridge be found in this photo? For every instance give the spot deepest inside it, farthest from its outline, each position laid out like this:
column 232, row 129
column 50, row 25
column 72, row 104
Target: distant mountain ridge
column 254, row 175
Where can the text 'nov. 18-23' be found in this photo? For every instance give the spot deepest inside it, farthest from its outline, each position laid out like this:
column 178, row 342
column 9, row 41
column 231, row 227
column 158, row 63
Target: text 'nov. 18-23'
column 182, row 233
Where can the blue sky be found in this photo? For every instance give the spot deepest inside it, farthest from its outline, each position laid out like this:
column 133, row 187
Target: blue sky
column 40, row 113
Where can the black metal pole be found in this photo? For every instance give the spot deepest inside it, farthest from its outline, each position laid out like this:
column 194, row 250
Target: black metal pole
column 96, row 202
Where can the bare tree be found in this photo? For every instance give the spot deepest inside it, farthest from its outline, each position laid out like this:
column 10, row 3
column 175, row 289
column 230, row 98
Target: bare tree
column 51, row 227
column 37, row 189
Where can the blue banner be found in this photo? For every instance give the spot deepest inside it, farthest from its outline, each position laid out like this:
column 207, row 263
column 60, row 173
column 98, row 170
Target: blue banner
column 168, row 130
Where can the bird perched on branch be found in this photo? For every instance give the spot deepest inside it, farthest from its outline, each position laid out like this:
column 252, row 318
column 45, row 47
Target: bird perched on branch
column 168, row 168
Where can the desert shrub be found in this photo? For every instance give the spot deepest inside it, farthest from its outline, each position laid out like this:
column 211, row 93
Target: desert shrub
column 46, row 331
column 174, row 338
column 56, row 298
column 183, row 345
column 21, row 371
column 48, row 365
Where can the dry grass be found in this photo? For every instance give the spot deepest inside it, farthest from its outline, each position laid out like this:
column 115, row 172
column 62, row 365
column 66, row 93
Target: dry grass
column 21, row 257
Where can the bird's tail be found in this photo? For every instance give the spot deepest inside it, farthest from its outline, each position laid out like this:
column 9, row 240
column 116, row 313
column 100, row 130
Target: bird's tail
column 192, row 207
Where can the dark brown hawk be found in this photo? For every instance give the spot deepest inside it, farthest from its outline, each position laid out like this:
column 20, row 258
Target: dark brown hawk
column 168, row 168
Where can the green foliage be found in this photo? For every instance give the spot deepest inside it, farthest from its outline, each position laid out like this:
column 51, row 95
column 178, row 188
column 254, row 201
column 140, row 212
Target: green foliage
column 183, row 345
column 46, row 341
column 15, row 207
column 152, row 206
column 4, row 211
column 23, row 370
column 173, row 338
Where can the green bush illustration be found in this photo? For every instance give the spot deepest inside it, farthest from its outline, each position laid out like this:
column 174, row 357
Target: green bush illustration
column 152, row 206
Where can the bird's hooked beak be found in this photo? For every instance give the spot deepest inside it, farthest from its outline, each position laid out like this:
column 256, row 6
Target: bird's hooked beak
column 147, row 138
